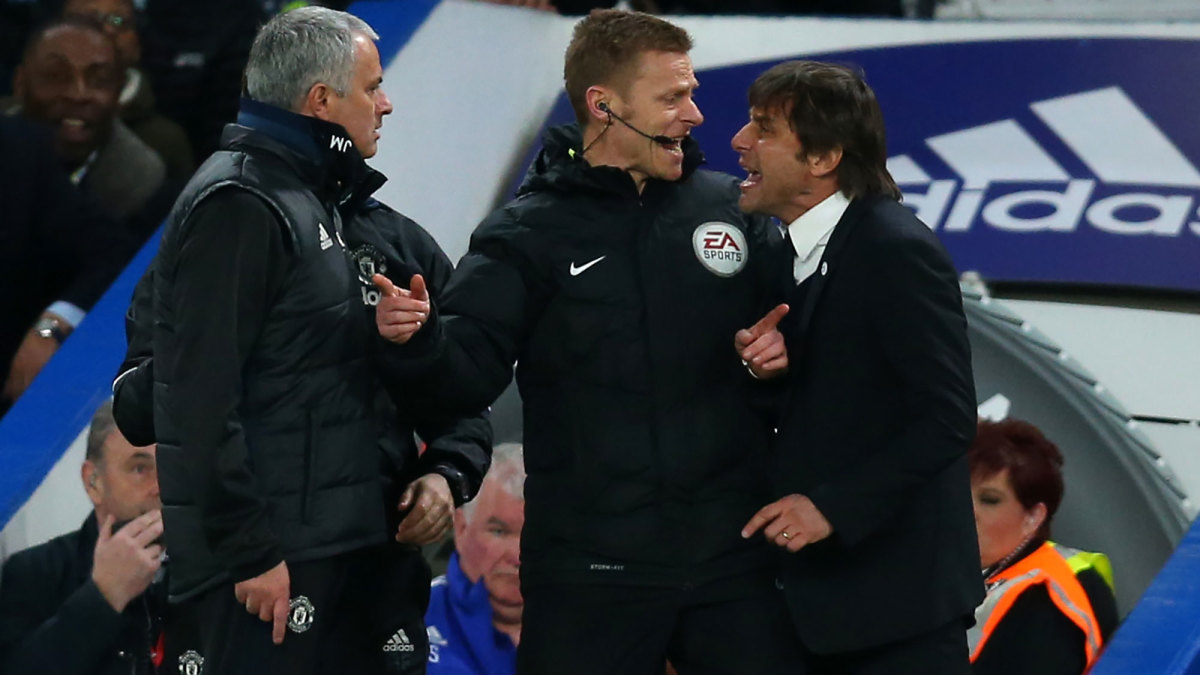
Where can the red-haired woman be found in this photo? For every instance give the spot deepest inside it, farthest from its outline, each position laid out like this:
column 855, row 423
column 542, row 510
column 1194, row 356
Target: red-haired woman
column 1048, row 608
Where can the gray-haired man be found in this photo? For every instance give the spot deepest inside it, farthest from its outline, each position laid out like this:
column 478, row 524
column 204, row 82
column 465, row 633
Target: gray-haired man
column 264, row 391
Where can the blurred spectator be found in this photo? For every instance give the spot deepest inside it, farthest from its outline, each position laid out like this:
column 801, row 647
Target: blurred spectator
column 879, row 8
column 58, row 254
column 16, row 19
column 890, row 8
column 79, row 603
column 194, row 52
column 120, row 19
column 70, row 79
column 551, row 5
column 1048, row 608
column 474, row 616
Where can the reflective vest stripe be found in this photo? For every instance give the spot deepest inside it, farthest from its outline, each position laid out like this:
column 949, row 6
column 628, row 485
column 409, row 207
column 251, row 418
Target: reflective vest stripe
column 1048, row 566
column 995, row 605
column 1081, row 615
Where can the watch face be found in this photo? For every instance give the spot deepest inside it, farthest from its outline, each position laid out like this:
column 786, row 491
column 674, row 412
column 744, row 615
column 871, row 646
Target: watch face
column 49, row 329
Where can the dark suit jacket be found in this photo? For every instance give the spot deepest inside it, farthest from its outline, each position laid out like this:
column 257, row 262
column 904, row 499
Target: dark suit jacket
column 879, row 413
column 55, row 243
column 53, row 618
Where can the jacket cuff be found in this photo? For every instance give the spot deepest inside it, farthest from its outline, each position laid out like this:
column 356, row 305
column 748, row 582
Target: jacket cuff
column 841, row 514
column 90, row 604
column 252, row 569
column 460, row 487
column 421, row 351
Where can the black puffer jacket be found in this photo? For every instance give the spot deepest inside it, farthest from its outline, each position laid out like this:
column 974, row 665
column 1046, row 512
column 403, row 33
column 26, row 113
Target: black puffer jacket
column 398, row 248
column 644, row 451
column 281, row 460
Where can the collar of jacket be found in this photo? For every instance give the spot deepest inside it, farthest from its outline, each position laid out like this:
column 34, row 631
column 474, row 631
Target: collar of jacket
column 321, row 152
column 560, row 166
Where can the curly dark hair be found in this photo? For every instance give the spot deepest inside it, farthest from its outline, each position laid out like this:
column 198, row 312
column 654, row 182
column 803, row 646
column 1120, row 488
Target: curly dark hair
column 1034, row 463
column 830, row 106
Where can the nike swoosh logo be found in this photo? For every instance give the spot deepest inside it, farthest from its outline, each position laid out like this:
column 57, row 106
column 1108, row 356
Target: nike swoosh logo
column 576, row 271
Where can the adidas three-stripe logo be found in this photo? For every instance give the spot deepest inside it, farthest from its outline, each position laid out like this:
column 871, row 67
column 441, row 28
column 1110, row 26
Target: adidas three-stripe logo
column 399, row 642
column 1106, row 131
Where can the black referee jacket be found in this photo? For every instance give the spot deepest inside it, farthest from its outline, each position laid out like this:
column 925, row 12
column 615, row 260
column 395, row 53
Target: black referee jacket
column 644, row 446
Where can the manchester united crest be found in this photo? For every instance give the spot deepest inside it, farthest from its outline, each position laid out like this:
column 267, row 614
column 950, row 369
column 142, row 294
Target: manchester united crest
column 191, row 663
column 300, row 614
column 369, row 261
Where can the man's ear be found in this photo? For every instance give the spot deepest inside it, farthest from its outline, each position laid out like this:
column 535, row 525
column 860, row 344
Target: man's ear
column 599, row 99
column 92, row 483
column 317, row 101
column 826, row 163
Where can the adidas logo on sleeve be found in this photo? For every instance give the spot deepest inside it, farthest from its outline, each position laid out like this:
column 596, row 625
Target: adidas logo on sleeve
column 399, row 642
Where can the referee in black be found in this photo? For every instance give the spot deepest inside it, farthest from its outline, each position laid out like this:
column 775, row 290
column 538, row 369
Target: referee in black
column 616, row 281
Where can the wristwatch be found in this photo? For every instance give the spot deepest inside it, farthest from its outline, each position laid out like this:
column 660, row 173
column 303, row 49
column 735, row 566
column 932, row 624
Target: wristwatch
column 459, row 488
column 51, row 327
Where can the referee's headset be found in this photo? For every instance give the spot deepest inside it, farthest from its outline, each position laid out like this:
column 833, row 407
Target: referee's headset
column 661, row 140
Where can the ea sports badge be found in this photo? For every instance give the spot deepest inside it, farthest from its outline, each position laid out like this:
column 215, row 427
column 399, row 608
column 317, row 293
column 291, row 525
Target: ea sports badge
column 721, row 248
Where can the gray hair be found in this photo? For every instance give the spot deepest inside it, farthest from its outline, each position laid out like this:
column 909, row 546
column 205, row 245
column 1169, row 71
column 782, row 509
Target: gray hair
column 508, row 470
column 298, row 49
column 103, row 425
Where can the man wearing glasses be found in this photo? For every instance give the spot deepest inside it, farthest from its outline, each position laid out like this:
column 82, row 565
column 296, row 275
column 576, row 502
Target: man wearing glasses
column 120, row 20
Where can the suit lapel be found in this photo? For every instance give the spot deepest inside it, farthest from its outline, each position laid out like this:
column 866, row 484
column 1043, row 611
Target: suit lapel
column 819, row 279
column 809, row 292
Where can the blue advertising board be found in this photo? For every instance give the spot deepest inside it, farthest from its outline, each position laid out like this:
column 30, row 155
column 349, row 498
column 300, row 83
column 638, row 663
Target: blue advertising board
column 1065, row 160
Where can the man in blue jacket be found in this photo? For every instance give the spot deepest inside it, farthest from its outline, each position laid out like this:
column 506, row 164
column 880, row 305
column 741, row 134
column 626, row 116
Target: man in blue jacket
column 474, row 616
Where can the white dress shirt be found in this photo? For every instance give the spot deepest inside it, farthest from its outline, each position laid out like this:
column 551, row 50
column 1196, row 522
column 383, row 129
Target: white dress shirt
column 811, row 231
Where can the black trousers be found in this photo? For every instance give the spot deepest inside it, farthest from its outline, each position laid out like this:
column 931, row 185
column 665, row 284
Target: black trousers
column 942, row 651
column 732, row 627
column 365, row 613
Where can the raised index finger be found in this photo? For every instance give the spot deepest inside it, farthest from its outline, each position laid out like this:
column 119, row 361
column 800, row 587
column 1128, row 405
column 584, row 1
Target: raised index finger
column 279, row 628
column 765, row 515
column 771, row 320
column 106, row 527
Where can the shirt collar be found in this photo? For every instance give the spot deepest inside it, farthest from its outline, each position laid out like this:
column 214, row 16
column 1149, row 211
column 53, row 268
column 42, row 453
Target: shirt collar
column 813, row 227
column 133, row 80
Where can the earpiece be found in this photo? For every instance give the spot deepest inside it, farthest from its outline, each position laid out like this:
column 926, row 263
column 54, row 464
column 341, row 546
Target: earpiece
column 603, row 107
column 92, row 481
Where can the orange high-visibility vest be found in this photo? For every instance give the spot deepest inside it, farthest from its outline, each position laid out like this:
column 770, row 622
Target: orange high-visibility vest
column 1046, row 565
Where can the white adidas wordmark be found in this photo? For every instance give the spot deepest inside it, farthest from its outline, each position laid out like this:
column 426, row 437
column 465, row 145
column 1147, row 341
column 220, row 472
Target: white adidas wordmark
column 326, row 242
column 1105, row 130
